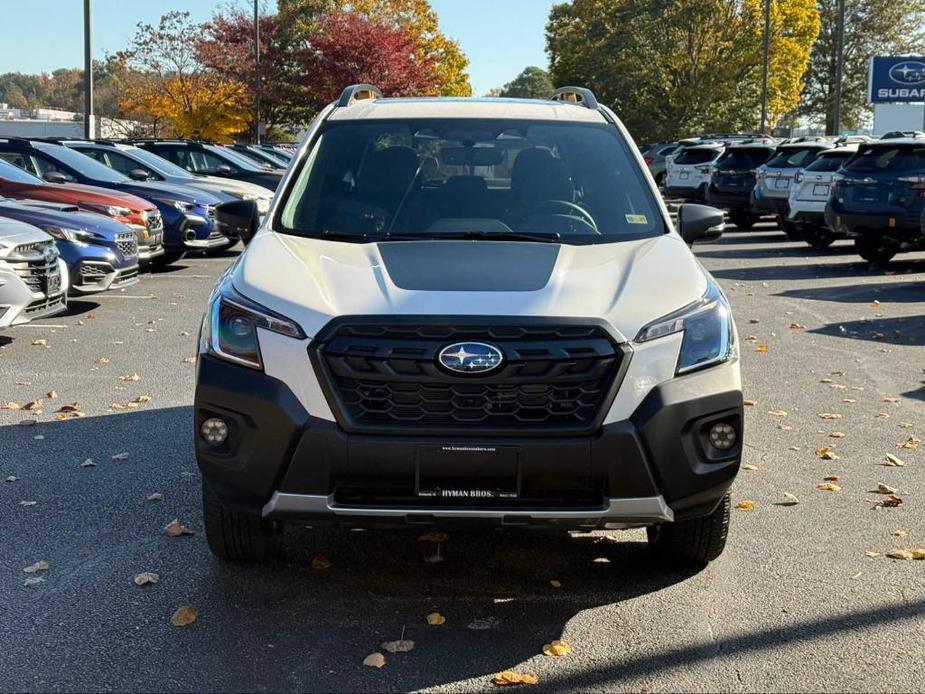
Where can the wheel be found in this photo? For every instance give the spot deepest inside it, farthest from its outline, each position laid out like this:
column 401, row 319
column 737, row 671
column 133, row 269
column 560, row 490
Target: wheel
column 743, row 219
column 692, row 542
column 874, row 250
column 168, row 258
column 236, row 536
column 818, row 237
column 792, row 230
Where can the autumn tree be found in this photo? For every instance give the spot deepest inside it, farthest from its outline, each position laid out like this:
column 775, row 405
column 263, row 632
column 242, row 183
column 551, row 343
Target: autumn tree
column 872, row 27
column 172, row 85
column 532, row 83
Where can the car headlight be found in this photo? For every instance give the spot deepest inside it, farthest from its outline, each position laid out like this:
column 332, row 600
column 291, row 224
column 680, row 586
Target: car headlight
column 709, row 333
column 75, row 235
column 108, row 210
column 179, row 205
column 230, row 329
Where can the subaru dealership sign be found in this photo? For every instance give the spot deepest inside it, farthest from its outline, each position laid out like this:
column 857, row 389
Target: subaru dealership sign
column 897, row 80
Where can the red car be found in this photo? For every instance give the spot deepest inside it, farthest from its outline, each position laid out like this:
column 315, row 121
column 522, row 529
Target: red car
column 136, row 213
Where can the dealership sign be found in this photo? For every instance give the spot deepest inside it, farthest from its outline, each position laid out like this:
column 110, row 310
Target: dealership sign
column 897, row 80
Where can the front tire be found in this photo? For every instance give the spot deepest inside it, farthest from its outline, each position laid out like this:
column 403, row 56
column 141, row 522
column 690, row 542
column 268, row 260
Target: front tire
column 168, row 258
column 876, row 251
column 236, row 536
column 693, row 542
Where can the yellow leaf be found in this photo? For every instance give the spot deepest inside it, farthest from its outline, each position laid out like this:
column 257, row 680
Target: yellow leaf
column 884, row 489
column 374, row 660
column 555, row 584
column 761, row 348
column 745, row 505
column 836, row 435
column 509, row 678
column 902, row 554
column 871, row 554
column 826, row 453
column 777, row 413
column 435, row 619
column 830, row 415
column 899, row 533
column 184, row 616
column 9, row 406
column 557, row 648
column 828, row 487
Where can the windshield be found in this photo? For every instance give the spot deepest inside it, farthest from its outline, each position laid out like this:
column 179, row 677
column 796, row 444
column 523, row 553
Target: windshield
column 697, row 156
column 795, row 157
column 894, row 159
column 239, row 161
column 159, row 164
column 829, row 161
column 446, row 178
column 743, row 159
column 17, row 175
column 82, row 164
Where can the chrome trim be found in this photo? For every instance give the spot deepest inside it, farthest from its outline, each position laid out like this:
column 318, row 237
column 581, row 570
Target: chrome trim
column 635, row 509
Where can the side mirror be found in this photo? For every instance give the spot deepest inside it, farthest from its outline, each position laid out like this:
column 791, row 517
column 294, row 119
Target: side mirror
column 54, row 177
column 223, row 169
column 138, row 175
column 700, row 223
column 238, row 219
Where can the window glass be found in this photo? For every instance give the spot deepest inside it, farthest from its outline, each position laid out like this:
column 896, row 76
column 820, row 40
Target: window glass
column 14, row 171
column 743, row 159
column 697, row 156
column 880, row 159
column 794, row 157
column 830, row 162
column 21, row 160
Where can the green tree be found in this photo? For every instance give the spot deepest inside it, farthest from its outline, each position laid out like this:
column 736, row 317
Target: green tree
column 872, row 27
column 532, row 83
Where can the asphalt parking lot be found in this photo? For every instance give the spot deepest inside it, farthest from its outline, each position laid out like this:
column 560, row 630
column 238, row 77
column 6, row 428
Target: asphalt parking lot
column 793, row 604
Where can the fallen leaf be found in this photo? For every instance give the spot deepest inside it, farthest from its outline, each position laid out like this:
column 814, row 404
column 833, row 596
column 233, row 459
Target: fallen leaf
column 790, row 499
column 130, row 377
column 40, row 343
column 918, row 553
column 899, row 533
column 830, row 415
column 12, row 478
column 828, row 487
column 32, row 406
column 120, row 456
column 156, row 496
column 51, row 394
column 9, row 406
column 891, row 399
column 102, row 361
column 400, row 646
column 905, row 425
column 142, row 399
column 175, row 529
column 72, row 407
column 28, row 503
column 321, row 562
column 555, row 584
column 875, row 303
column 745, row 505
column 748, row 466
column 761, row 348
column 827, row 453
column 836, row 435
column 434, row 536
column 797, row 326
column 88, row 463
column 749, row 403
column 374, row 660
column 557, row 648
column 33, row 581
column 189, row 360
column 146, row 577
column 40, row 565
column 902, row 554
column 893, row 461
column 883, row 415
column 184, row 616
column 884, row 489
column 24, row 383
column 911, row 444
column 891, row 501
column 435, row 619
column 754, row 321
column 508, row 678
column 777, row 413
column 871, row 554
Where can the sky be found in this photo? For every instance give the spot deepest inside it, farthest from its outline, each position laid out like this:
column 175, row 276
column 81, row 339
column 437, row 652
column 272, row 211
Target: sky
column 501, row 37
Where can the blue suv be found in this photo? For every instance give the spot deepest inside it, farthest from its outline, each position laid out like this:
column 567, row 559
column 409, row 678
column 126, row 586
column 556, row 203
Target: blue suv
column 188, row 213
column 100, row 253
column 879, row 198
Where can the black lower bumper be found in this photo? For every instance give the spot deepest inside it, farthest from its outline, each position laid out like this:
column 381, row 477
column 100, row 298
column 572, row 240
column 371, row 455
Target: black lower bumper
column 902, row 229
column 275, row 448
column 730, row 201
column 686, row 193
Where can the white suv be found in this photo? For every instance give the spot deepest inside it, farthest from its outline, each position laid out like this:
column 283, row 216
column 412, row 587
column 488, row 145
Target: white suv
column 690, row 170
column 810, row 193
column 31, row 284
column 469, row 311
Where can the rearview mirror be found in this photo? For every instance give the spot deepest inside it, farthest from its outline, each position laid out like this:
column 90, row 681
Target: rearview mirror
column 138, row 175
column 700, row 223
column 54, row 177
column 238, row 218
column 223, row 169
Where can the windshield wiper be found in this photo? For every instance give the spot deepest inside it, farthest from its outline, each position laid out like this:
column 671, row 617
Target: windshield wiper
column 550, row 237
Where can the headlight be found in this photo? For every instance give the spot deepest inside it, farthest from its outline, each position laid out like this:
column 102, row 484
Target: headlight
column 177, row 204
column 709, row 334
column 230, row 331
column 108, row 210
column 75, row 235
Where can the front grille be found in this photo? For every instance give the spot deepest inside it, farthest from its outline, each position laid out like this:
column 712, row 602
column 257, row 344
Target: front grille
column 127, row 244
column 556, row 377
column 38, row 271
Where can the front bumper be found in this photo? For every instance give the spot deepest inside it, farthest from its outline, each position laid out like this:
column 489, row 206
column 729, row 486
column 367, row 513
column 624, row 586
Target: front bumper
column 695, row 193
column 906, row 230
column 19, row 304
column 763, row 203
column 281, row 462
column 90, row 277
column 727, row 200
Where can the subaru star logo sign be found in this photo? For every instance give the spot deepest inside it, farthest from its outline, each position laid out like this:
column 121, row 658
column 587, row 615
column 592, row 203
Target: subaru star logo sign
column 909, row 72
column 470, row 358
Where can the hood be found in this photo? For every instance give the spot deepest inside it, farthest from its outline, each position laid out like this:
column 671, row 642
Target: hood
column 184, row 193
column 627, row 284
column 230, row 185
column 76, row 193
column 69, row 217
column 13, row 233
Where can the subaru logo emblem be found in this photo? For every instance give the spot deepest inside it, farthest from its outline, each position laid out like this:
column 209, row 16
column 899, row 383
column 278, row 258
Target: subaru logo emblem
column 909, row 72
column 50, row 254
column 470, row 358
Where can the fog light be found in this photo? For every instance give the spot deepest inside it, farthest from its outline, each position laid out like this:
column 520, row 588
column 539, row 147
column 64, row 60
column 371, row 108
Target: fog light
column 214, row 431
column 723, row 436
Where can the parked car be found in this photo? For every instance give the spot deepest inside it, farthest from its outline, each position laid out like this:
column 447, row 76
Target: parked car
column 733, row 179
column 188, row 214
column 689, row 171
column 212, row 160
column 774, row 178
column 470, row 343
column 136, row 213
column 30, row 274
column 810, row 193
column 281, row 151
column 879, row 198
column 100, row 254
column 656, row 159
column 260, row 156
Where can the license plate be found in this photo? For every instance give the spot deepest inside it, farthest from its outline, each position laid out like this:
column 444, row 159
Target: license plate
column 468, row 472
column 821, row 189
column 684, row 175
column 53, row 284
column 782, row 183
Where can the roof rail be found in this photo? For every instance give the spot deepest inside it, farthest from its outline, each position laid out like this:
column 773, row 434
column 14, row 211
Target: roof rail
column 358, row 92
column 576, row 95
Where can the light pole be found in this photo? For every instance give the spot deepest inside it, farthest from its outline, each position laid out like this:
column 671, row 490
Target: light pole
column 839, row 65
column 765, row 66
column 257, row 83
column 88, row 75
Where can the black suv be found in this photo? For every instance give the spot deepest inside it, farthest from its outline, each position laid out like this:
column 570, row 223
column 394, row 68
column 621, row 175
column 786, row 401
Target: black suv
column 879, row 200
column 733, row 179
column 212, row 160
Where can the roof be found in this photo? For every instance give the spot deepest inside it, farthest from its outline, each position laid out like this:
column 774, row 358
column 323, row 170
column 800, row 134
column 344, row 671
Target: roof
column 918, row 141
column 436, row 107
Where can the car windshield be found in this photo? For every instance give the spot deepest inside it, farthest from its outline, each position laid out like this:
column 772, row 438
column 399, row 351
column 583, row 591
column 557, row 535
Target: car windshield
column 471, row 178
column 239, row 161
column 829, row 161
column 82, row 164
column 697, row 156
column 17, row 175
column 888, row 158
column 794, row 157
column 159, row 164
column 744, row 159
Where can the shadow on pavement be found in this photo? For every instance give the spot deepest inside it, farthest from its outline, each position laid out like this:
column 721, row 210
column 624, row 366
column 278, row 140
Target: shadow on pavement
column 77, row 307
column 814, row 270
column 907, row 330
column 885, row 292
column 786, row 249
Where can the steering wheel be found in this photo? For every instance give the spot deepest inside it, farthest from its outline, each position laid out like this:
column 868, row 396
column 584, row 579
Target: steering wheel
column 570, row 209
